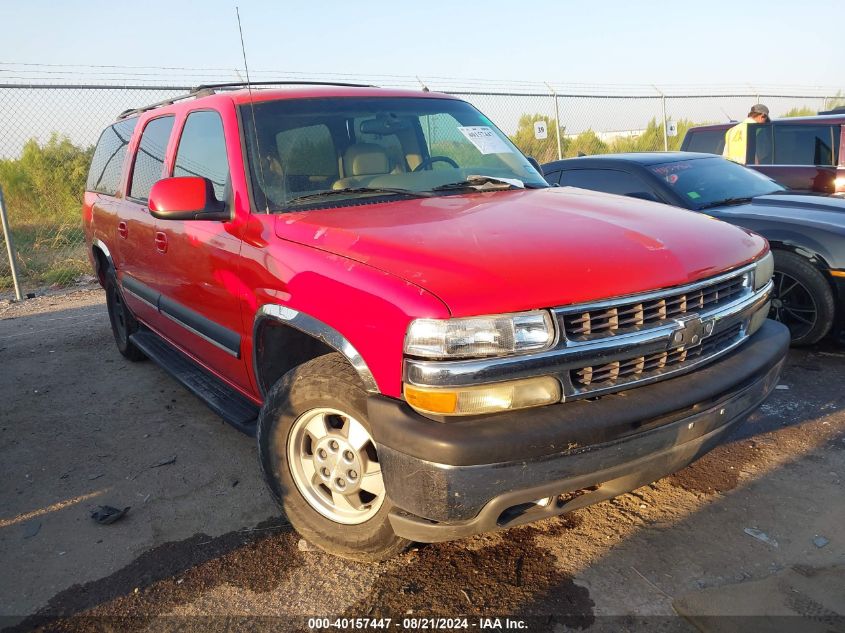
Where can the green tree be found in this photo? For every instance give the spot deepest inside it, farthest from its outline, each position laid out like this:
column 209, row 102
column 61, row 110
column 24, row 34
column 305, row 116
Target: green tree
column 46, row 183
column 544, row 150
column 43, row 190
column 586, row 143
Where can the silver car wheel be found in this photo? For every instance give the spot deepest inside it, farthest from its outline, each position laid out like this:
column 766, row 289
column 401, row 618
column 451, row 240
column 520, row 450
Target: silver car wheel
column 334, row 464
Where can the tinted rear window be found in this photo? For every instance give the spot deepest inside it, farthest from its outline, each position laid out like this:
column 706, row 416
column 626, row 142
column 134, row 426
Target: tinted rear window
column 706, row 141
column 107, row 162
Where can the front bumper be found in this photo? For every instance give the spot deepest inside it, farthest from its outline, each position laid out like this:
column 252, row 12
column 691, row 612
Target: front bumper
column 452, row 480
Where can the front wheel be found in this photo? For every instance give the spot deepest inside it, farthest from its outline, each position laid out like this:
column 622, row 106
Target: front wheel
column 321, row 463
column 802, row 299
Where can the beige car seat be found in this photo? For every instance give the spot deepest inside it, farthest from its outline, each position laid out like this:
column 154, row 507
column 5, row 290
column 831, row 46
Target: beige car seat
column 361, row 162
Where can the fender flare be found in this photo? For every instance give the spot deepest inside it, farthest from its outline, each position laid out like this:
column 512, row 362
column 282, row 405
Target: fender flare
column 96, row 243
column 317, row 329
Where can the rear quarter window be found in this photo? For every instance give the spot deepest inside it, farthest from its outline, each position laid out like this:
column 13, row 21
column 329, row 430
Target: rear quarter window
column 107, row 162
column 705, row 141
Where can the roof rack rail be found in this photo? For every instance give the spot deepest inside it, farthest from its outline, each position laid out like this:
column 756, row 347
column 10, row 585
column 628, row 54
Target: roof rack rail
column 244, row 84
column 207, row 89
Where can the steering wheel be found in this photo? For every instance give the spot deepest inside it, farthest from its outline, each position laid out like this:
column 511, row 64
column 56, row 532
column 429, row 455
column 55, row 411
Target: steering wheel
column 427, row 162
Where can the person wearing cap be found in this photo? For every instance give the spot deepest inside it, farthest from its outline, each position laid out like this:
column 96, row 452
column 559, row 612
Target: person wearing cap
column 736, row 138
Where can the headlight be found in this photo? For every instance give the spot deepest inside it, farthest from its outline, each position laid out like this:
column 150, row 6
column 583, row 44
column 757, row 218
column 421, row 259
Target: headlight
column 764, row 271
column 472, row 337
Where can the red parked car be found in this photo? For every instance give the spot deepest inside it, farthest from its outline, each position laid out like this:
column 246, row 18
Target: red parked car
column 427, row 340
column 801, row 153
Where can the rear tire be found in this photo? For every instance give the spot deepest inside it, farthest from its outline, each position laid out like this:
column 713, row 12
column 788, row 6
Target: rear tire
column 802, row 299
column 123, row 323
column 321, row 464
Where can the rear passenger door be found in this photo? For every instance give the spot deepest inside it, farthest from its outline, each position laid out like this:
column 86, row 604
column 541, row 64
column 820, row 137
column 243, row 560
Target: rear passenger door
column 197, row 260
column 136, row 227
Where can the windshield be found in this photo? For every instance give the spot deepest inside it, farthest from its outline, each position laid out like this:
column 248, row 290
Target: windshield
column 706, row 182
column 337, row 151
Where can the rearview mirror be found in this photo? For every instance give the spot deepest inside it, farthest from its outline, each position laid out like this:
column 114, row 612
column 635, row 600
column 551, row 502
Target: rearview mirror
column 186, row 198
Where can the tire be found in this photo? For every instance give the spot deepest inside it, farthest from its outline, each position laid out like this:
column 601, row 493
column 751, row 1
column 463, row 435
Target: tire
column 123, row 323
column 320, row 462
column 802, row 299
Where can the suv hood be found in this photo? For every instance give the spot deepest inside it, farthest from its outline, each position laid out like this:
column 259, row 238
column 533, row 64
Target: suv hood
column 514, row 250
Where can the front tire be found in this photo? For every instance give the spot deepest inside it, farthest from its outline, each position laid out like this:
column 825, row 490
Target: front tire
column 321, row 464
column 802, row 300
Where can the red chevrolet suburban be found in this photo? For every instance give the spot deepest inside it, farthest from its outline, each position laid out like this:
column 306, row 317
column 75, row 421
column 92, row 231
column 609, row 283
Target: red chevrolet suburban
column 426, row 339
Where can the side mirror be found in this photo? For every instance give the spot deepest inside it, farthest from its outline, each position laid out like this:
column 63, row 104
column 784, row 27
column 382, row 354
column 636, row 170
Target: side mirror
column 185, row 198
column 534, row 164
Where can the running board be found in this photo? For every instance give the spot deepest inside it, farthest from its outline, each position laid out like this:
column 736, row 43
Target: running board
column 230, row 405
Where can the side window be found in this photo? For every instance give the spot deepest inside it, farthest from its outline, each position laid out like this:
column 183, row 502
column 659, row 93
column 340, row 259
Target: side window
column 607, row 180
column 149, row 161
column 307, row 156
column 803, row 144
column 202, row 150
column 760, row 147
column 706, row 141
column 553, row 177
column 107, row 162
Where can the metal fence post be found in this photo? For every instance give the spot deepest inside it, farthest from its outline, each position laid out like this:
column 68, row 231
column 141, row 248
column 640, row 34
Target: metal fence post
column 665, row 123
column 10, row 248
column 557, row 121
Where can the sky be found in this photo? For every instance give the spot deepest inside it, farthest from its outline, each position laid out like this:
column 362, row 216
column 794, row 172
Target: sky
column 598, row 43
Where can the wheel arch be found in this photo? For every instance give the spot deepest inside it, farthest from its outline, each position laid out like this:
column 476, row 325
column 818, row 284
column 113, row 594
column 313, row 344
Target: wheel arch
column 813, row 255
column 102, row 260
column 284, row 338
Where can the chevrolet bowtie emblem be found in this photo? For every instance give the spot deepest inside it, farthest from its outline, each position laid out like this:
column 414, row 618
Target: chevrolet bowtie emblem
column 690, row 331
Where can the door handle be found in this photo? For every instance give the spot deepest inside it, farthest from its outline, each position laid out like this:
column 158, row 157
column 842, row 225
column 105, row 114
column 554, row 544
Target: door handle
column 161, row 242
column 122, row 229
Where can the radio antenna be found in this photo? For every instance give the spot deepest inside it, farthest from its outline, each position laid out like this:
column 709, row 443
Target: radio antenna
column 261, row 180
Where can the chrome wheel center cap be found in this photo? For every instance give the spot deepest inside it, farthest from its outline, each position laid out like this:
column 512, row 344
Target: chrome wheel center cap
column 338, row 464
column 777, row 303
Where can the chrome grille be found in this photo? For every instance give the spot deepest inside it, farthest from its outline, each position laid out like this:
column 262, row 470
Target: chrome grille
column 627, row 317
column 619, row 372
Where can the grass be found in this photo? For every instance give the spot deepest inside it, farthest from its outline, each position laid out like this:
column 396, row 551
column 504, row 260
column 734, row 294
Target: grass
column 46, row 255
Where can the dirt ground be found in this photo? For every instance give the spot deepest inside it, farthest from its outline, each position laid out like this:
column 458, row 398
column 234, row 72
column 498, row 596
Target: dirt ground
column 82, row 427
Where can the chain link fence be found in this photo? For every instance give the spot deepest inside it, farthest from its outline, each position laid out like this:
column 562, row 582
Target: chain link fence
column 48, row 133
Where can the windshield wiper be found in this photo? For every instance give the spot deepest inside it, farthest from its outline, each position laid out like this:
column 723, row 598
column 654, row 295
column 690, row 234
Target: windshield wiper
column 724, row 203
column 318, row 195
column 482, row 183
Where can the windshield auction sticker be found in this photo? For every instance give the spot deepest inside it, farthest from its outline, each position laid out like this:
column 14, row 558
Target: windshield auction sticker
column 485, row 140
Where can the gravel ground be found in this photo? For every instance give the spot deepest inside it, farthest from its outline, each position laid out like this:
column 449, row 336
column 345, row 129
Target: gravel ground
column 82, row 427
